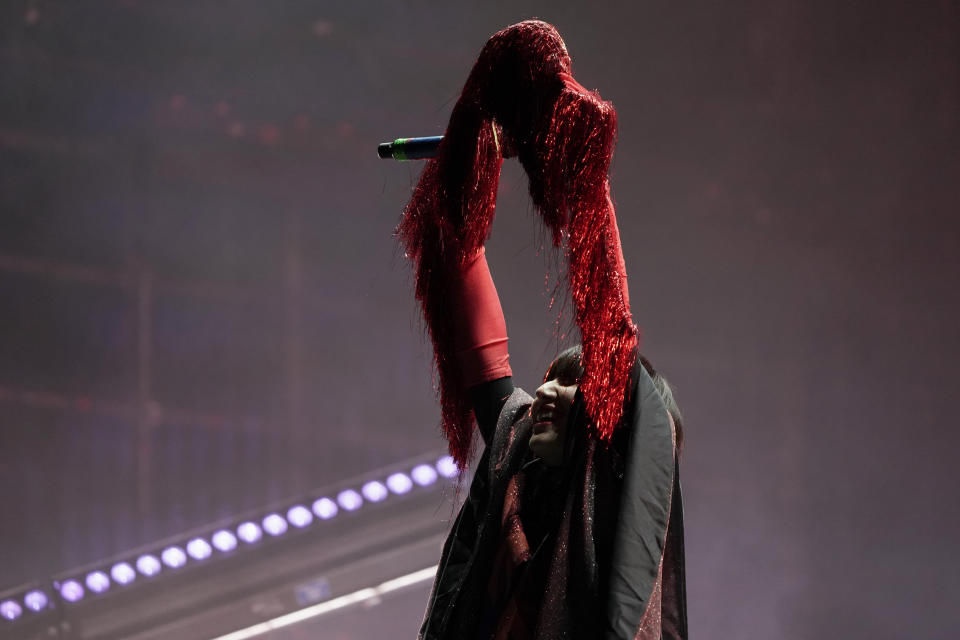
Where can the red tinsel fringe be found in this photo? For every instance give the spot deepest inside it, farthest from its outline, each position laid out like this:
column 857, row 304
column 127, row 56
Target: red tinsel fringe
column 564, row 136
column 580, row 141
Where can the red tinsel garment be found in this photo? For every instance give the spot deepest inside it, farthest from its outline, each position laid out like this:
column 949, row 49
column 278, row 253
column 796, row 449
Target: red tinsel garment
column 521, row 93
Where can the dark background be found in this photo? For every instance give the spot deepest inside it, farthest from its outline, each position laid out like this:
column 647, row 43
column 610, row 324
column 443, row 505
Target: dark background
column 202, row 308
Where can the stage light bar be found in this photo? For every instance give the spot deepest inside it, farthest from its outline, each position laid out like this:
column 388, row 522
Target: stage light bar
column 123, row 573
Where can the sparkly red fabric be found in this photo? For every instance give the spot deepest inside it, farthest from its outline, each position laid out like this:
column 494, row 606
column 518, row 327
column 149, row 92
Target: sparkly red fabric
column 521, row 99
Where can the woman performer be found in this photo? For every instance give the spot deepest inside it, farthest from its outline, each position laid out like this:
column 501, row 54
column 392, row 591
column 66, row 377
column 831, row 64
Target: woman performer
column 573, row 524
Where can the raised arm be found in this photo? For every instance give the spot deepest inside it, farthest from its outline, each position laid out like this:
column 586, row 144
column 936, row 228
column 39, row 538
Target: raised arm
column 522, row 87
column 480, row 341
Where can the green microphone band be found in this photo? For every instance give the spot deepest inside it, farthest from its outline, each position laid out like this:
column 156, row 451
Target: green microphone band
column 399, row 153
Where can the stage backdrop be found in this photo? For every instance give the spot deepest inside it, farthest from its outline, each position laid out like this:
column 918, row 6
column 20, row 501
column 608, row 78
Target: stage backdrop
column 202, row 308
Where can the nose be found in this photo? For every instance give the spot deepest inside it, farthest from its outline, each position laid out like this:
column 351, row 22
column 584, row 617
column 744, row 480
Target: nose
column 546, row 391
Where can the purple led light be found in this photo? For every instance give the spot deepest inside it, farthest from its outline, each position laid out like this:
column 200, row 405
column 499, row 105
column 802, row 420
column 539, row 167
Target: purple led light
column 349, row 499
column 71, row 591
column 447, row 467
column 399, row 483
column 148, row 565
column 249, row 532
column 173, row 557
column 274, row 524
column 98, row 582
column 224, row 541
column 199, row 549
column 123, row 573
column 424, row 474
column 325, row 508
column 10, row 610
column 36, row 600
column 299, row 516
column 374, row 491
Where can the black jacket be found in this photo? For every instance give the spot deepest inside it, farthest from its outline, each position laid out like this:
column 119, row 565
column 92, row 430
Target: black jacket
column 600, row 572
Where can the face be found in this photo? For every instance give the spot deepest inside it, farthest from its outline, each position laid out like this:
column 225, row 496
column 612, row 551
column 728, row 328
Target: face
column 550, row 410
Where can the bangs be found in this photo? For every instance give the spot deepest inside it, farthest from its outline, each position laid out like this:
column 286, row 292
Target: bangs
column 567, row 368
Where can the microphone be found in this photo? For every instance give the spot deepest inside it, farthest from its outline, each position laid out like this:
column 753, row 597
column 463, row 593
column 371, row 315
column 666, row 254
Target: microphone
column 410, row 148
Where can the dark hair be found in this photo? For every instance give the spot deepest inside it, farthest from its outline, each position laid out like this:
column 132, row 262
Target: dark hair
column 568, row 368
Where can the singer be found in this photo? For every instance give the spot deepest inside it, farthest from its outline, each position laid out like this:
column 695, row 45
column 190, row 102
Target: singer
column 573, row 526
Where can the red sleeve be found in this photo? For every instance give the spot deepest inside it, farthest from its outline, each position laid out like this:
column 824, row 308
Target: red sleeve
column 481, row 332
column 614, row 242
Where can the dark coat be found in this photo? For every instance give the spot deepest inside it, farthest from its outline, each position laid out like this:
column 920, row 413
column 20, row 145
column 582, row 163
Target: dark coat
column 609, row 566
